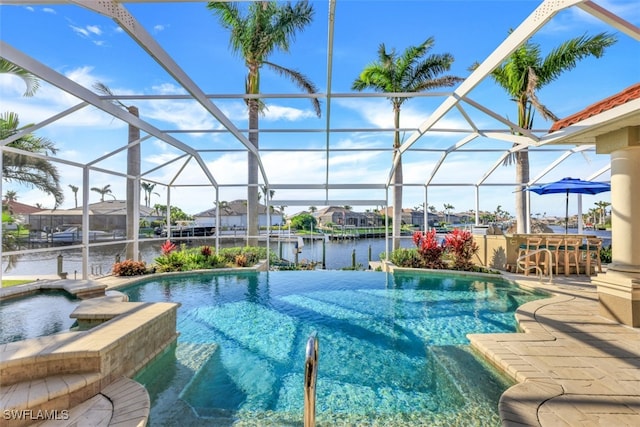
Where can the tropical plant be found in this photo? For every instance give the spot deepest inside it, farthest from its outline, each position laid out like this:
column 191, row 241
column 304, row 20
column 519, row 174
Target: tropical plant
column 429, row 249
column 461, row 245
column 167, row 247
column 412, row 71
column 31, row 171
column 266, row 28
column 522, row 75
column 129, row 268
column 103, row 191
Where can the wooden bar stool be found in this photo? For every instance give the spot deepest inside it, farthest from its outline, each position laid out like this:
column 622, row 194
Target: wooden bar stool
column 526, row 250
column 553, row 245
column 592, row 250
column 571, row 248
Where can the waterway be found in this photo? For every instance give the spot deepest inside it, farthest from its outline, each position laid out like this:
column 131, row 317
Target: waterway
column 334, row 254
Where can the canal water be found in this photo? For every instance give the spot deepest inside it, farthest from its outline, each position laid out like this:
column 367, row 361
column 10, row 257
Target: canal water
column 336, row 254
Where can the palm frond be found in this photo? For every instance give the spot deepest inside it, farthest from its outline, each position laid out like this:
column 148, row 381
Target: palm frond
column 299, row 80
column 32, row 82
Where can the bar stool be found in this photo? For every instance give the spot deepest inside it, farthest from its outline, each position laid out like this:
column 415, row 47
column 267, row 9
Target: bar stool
column 571, row 248
column 592, row 250
column 553, row 245
column 525, row 250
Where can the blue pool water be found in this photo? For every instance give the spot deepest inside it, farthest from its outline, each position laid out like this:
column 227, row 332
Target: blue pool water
column 36, row 315
column 393, row 348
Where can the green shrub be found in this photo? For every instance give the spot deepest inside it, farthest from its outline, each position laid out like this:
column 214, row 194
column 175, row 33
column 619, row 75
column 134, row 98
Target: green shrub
column 404, row 257
column 202, row 258
column 605, row 255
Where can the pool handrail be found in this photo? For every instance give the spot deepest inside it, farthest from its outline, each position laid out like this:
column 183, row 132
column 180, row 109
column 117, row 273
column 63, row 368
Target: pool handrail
column 537, row 267
column 310, row 376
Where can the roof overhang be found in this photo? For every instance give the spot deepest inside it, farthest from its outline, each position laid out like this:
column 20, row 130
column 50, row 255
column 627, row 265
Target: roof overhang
column 588, row 130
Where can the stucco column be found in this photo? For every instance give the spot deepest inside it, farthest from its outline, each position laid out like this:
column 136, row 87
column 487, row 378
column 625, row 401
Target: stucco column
column 625, row 210
column 619, row 287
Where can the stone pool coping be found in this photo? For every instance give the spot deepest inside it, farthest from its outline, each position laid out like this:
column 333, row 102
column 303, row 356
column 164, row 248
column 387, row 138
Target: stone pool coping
column 82, row 289
column 59, row 372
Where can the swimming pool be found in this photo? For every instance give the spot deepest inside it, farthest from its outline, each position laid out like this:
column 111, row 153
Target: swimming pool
column 393, row 348
column 36, row 315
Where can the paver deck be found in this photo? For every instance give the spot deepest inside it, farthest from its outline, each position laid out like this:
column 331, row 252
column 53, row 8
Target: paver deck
column 574, row 367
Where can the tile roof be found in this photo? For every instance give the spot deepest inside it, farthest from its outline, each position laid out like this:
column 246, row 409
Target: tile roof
column 629, row 94
column 17, row 208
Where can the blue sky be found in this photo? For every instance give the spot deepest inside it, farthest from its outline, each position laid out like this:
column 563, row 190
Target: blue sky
column 88, row 47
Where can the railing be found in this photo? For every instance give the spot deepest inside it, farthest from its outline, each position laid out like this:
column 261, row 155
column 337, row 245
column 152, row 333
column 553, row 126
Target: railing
column 548, row 267
column 310, row 376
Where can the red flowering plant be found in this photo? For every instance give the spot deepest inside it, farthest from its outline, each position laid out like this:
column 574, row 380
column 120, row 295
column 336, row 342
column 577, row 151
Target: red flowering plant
column 167, row 247
column 429, row 249
column 460, row 244
column 205, row 251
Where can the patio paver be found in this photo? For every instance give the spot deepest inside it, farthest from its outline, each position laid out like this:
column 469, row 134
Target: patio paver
column 573, row 366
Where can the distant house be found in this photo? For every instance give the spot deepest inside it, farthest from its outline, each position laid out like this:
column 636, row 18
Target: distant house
column 234, row 214
column 19, row 211
column 109, row 215
column 409, row 216
column 345, row 217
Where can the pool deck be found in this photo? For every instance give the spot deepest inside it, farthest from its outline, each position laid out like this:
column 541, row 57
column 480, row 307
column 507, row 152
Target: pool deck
column 573, row 367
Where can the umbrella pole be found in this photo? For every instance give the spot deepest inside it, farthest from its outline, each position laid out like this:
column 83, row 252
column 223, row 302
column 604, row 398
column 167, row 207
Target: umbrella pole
column 566, row 215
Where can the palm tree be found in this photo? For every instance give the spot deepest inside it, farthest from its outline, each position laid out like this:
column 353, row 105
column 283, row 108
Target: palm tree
column 412, row 71
column 447, row 209
column 75, row 189
column 602, row 209
column 147, row 187
column 266, row 28
column 103, row 191
column 29, row 79
column 10, row 196
column 160, row 210
column 31, row 171
column 523, row 74
column 133, row 167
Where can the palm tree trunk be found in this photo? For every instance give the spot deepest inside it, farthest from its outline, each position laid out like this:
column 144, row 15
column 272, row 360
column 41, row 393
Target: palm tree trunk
column 522, row 177
column 252, row 177
column 133, row 169
column 396, row 182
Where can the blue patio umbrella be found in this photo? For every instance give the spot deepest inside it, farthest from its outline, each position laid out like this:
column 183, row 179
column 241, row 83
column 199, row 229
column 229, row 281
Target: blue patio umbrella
column 571, row 185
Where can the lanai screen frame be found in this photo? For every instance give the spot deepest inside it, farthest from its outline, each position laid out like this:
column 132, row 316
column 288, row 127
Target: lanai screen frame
column 457, row 99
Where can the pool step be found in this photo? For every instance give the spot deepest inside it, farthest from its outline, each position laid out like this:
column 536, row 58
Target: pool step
column 459, row 364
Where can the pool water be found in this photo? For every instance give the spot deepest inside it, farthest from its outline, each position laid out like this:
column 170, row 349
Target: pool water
column 393, row 348
column 36, row 315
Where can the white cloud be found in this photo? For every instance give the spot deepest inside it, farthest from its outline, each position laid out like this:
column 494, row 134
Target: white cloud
column 94, row 29
column 278, row 112
column 78, row 30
